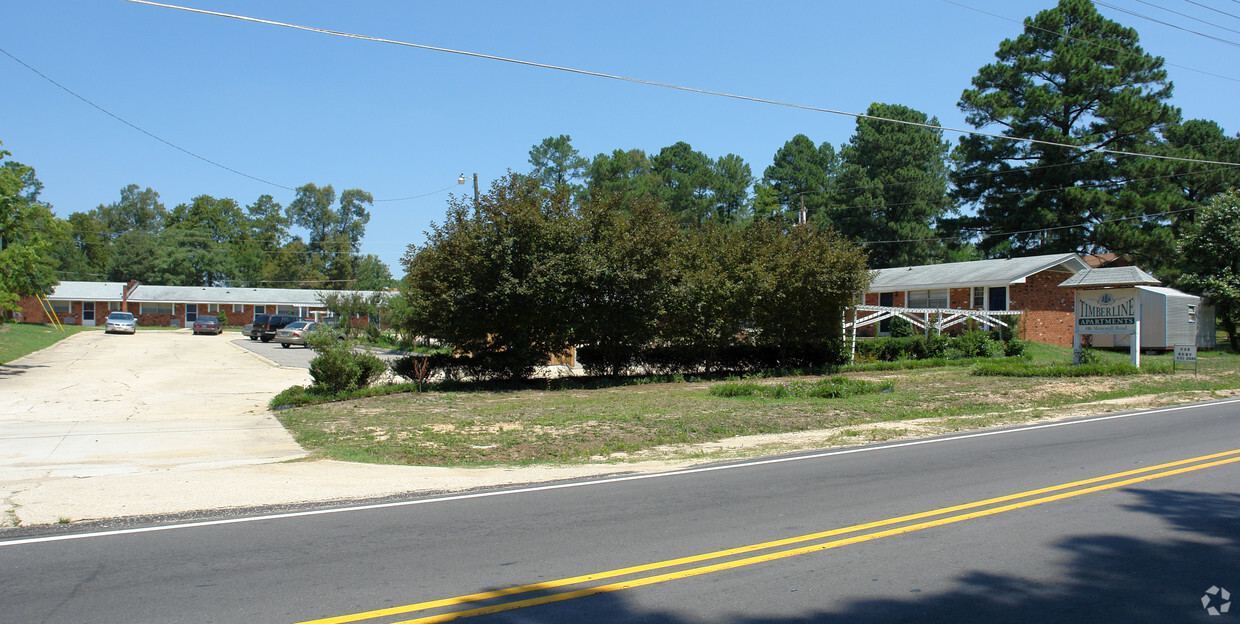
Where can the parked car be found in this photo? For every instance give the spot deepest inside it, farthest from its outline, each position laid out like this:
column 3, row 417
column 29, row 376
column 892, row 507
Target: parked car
column 295, row 333
column 266, row 329
column 120, row 323
column 259, row 320
column 208, row 325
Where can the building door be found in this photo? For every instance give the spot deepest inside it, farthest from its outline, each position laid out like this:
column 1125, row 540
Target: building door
column 191, row 313
column 885, row 299
column 998, row 298
column 88, row 314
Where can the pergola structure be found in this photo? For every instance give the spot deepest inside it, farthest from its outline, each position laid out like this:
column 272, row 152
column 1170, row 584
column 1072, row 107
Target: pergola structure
column 937, row 319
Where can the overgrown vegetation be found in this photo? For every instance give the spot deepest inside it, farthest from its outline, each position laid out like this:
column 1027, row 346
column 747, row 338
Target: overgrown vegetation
column 828, row 388
column 583, row 419
column 970, row 344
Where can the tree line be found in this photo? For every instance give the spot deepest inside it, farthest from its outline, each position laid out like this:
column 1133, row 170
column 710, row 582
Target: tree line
column 1096, row 177
column 1075, row 124
column 211, row 241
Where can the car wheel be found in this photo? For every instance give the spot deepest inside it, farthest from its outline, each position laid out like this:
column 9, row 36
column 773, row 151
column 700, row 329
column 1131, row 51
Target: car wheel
column 284, row 344
column 266, row 339
column 253, row 337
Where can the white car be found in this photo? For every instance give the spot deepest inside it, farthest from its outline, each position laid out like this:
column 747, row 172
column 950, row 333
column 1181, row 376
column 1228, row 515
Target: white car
column 120, row 323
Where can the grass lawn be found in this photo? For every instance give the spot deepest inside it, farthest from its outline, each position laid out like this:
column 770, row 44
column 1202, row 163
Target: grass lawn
column 18, row 339
column 683, row 420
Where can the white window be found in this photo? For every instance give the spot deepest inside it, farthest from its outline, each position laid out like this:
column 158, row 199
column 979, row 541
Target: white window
column 1192, row 313
column 238, row 308
column 213, row 308
column 113, row 306
column 61, row 307
column 927, row 298
column 286, row 309
column 260, row 309
column 979, row 296
column 155, row 308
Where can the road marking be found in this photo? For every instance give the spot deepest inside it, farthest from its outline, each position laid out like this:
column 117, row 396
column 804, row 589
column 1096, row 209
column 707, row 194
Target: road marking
column 1045, row 495
column 605, row 481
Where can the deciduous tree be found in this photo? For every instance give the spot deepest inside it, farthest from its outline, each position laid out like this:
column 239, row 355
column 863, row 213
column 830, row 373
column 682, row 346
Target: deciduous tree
column 27, row 231
column 1210, row 255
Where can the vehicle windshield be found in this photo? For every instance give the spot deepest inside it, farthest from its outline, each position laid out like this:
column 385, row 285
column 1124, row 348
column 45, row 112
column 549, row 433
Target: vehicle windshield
column 298, row 325
column 206, row 319
column 120, row 316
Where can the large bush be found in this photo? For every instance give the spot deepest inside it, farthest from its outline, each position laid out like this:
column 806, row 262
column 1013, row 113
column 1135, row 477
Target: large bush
column 525, row 272
column 339, row 367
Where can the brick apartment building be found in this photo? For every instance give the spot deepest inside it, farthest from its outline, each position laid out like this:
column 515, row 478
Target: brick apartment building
column 88, row 303
column 1030, row 285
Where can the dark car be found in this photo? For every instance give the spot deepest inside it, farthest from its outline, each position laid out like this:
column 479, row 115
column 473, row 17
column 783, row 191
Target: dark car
column 266, row 326
column 248, row 330
column 208, row 325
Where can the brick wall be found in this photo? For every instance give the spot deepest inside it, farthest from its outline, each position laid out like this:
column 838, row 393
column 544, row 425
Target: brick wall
column 1048, row 309
column 32, row 311
column 1048, row 313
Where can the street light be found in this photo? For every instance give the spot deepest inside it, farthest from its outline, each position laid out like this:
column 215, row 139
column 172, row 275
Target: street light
column 461, row 180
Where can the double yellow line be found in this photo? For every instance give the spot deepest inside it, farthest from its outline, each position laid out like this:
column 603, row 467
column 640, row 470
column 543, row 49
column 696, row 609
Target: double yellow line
column 909, row 523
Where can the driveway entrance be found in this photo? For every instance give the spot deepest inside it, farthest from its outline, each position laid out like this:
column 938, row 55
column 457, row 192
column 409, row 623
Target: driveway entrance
column 99, row 404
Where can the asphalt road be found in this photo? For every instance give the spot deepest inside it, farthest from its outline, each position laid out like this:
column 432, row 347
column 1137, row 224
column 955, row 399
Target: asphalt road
column 297, row 357
column 294, row 356
column 1128, row 518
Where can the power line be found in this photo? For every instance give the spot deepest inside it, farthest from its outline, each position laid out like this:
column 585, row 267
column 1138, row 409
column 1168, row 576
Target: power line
column 135, row 127
column 1190, row 17
column 178, row 147
column 1070, row 38
column 1168, row 24
column 1205, row 6
column 982, row 234
column 663, row 85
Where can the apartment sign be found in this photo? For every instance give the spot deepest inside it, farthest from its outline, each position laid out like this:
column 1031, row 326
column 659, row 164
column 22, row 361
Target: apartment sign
column 1111, row 311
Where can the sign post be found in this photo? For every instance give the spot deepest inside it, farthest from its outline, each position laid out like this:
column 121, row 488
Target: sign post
column 1185, row 353
column 1108, row 311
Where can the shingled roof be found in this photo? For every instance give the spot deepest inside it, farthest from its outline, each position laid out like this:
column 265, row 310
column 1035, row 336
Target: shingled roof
column 1110, row 276
column 1001, row 272
column 151, row 293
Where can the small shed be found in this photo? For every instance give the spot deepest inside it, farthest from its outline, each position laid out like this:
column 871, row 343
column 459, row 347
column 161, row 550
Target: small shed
column 1168, row 317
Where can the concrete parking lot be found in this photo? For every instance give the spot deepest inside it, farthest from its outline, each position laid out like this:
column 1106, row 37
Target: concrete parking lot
column 164, row 422
column 105, row 404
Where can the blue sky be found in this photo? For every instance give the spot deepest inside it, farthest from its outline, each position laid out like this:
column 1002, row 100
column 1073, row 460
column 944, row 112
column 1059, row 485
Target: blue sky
column 292, row 107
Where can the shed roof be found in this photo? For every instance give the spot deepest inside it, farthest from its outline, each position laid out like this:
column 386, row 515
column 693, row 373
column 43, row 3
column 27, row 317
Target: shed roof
column 999, row 272
column 112, row 291
column 1168, row 292
column 1110, row 276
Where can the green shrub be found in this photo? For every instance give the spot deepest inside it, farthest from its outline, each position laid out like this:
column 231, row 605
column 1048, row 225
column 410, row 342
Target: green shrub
column 901, row 328
column 339, row 368
column 1089, row 355
column 1015, row 348
column 975, row 344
